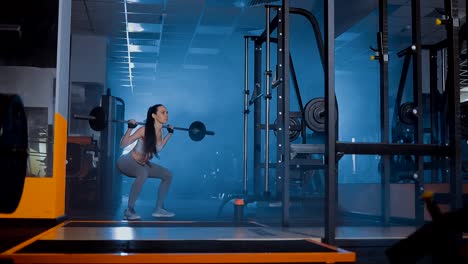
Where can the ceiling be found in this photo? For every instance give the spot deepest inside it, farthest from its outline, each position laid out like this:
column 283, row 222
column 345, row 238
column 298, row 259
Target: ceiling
column 154, row 40
column 167, row 38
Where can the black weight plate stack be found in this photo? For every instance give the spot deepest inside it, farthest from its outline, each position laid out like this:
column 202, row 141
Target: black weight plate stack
column 13, row 151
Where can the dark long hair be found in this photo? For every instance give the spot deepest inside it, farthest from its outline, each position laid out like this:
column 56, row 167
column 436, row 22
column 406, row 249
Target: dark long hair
column 150, row 135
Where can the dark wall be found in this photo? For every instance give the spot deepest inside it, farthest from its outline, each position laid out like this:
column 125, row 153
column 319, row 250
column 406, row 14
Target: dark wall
column 28, row 33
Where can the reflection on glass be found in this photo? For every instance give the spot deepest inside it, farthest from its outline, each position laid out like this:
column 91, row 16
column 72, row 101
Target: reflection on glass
column 40, row 142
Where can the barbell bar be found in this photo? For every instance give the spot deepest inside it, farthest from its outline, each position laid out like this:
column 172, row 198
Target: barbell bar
column 97, row 120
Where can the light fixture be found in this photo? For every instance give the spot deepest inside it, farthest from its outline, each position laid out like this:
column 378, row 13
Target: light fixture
column 134, row 27
column 128, row 47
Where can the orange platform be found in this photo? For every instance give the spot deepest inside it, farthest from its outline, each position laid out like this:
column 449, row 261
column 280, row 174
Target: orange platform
column 172, row 242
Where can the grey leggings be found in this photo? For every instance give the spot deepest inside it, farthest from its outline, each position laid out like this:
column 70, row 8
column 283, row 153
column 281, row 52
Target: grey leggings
column 128, row 166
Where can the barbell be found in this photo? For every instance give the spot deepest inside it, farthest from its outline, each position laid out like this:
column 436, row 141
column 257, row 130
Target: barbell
column 97, row 120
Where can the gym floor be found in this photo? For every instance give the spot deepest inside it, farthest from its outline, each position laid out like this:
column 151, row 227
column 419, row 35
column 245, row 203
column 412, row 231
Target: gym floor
column 197, row 219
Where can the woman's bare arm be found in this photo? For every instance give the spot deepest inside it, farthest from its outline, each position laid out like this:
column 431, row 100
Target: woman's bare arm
column 161, row 142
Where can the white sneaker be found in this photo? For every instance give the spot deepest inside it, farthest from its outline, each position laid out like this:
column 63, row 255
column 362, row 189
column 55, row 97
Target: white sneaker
column 162, row 213
column 130, row 214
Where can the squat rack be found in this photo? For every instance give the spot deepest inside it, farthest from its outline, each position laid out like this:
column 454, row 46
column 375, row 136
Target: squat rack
column 284, row 59
column 332, row 148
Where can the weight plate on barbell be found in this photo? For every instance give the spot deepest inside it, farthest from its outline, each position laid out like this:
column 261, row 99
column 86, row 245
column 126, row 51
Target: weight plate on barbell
column 13, row 151
column 294, row 128
column 314, row 114
column 405, row 113
column 100, row 119
column 197, row 131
